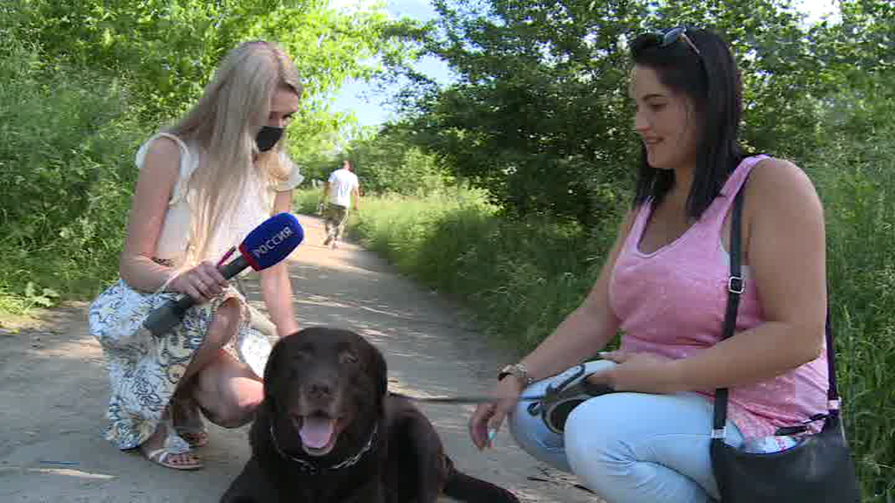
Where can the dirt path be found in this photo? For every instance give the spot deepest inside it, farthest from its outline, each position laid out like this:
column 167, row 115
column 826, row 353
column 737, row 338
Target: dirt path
column 53, row 391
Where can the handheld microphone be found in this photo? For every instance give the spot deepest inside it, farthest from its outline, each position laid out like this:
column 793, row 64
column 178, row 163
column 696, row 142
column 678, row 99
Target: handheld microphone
column 267, row 245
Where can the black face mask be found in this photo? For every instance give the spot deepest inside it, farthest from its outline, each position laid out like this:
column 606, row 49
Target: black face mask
column 268, row 137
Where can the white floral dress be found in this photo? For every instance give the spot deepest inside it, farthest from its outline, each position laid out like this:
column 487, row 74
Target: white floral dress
column 144, row 370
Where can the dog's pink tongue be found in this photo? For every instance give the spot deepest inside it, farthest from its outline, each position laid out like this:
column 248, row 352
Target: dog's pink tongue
column 316, row 431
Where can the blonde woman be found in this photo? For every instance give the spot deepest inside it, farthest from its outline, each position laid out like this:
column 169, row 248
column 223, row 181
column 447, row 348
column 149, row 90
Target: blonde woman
column 204, row 184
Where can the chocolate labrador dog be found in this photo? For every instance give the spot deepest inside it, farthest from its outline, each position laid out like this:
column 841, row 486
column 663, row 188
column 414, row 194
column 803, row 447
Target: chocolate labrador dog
column 329, row 431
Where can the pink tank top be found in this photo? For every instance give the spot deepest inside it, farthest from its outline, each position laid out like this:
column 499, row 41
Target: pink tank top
column 671, row 302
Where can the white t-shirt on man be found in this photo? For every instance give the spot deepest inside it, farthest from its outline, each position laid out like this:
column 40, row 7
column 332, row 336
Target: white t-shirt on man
column 341, row 183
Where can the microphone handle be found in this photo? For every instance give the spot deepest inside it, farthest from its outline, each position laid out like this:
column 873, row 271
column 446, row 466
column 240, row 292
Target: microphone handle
column 163, row 319
column 233, row 267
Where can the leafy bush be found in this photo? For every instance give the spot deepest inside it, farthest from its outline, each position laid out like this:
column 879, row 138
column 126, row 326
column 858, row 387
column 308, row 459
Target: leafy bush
column 855, row 180
column 386, row 162
column 539, row 114
column 166, row 51
column 66, row 171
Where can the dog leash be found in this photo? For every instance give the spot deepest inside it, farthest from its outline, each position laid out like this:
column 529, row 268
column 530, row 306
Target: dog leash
column 552, row 391
column 468, row 398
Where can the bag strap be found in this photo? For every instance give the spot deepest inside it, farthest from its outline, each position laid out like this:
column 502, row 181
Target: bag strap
column 833, row 390
column 735, row 287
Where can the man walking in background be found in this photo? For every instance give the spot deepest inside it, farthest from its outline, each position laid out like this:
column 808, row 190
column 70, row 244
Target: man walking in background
column 341, row 187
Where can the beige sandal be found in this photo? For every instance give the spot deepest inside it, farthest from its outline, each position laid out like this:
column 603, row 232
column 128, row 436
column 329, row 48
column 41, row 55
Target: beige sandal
column 173, row 446
column 161, row 457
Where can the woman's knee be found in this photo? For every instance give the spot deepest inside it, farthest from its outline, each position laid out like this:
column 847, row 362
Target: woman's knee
column 233, row 412
column 228, row 392
column 628, row 445
column 235, row 416
column 594, row 434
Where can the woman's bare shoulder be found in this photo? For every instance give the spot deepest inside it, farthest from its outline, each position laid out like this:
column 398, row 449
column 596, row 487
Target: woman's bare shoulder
column 162, row 148
column 774, row 178
column 777, row 188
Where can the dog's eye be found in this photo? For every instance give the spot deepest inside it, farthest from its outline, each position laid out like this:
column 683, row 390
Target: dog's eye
column 348, row 358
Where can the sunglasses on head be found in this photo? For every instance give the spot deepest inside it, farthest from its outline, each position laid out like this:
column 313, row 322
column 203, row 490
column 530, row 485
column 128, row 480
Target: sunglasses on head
column 664, row 38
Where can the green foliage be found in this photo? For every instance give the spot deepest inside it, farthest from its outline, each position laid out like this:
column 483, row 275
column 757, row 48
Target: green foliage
column 524, row 276
column 66, row 171
column 858, row 190
column 386, row 161
column 853, row 169
column 166, row 51
column 540, row 117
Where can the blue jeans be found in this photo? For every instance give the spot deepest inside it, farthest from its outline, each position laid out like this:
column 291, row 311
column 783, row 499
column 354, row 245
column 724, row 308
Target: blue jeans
column 629, row 447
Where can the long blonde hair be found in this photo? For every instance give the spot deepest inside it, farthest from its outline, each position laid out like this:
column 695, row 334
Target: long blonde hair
column 223, row 124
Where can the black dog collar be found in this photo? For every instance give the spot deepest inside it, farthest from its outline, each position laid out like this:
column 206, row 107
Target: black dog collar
column 311, row 468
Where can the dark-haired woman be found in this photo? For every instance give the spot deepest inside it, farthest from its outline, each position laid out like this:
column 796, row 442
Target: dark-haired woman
column 664, row 285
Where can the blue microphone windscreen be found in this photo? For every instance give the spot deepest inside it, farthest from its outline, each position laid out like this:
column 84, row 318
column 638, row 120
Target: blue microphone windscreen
column 272, row 241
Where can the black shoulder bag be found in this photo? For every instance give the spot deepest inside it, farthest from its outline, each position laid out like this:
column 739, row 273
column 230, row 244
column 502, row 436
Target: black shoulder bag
column 818, row 469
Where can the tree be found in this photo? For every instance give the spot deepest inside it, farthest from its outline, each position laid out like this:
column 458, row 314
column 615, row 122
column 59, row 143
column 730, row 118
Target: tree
column 387, row 162
column 164, row 51
column 540, row 115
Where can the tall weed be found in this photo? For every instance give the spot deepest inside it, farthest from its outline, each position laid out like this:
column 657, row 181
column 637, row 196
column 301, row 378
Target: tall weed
column 66, row 172
column 857, row 185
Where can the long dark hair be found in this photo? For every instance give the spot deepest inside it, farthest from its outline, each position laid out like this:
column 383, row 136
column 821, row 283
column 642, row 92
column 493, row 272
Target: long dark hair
column 712, row 81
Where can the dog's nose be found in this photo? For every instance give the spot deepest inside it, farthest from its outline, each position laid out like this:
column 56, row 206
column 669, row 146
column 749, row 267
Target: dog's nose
column 320, row 390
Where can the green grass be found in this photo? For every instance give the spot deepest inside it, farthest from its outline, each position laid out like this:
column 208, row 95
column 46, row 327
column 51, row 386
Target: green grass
column 857, row 186
column 66, row 172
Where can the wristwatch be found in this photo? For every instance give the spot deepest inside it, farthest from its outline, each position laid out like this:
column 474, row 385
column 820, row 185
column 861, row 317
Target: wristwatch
column 517, row 370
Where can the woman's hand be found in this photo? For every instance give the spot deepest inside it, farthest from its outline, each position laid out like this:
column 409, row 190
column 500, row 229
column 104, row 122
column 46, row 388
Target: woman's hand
column 202, row 283
column 641, row 372
column 487, row 418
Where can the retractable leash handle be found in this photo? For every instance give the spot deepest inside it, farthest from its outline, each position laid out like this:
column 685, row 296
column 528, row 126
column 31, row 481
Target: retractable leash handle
column 267, row 245
column 559, row 399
